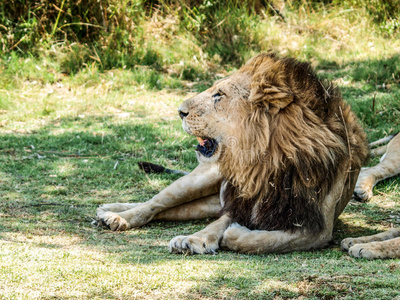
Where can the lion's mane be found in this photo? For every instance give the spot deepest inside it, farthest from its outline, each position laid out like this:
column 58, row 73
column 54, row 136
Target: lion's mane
column 296, row 139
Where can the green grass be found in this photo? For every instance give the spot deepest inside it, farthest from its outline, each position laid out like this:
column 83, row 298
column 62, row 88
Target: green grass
column 66, row 152
column 75, row 120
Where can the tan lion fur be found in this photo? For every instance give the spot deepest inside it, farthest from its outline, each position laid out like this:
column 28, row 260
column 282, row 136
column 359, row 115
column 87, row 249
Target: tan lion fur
column 288, row 154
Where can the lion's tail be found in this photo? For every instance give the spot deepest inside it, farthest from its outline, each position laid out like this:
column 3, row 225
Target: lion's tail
column 382, row 149
column 153, row 168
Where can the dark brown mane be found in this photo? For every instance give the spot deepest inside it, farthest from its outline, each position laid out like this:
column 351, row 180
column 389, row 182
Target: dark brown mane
column 298, row 135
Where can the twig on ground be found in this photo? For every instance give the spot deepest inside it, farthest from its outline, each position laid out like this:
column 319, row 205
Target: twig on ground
column 56, row 204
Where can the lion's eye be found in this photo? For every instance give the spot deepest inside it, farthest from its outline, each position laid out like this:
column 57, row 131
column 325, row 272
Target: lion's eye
column 217, row 97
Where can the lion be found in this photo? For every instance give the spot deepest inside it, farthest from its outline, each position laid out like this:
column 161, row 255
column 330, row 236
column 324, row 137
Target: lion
column 385, row 244
column 279, row 154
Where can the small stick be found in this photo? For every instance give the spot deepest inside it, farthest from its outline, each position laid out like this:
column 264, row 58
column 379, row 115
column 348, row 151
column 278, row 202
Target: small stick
column 55, row 204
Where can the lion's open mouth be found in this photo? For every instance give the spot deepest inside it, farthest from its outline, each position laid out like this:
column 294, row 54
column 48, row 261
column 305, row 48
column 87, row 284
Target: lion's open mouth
column 207, row 146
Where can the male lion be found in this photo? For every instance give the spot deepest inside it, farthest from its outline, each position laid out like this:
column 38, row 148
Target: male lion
column 385, row 244
column 278, row 149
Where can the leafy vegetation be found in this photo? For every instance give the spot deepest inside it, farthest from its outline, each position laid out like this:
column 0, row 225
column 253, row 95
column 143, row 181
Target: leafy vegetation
column 89, row 88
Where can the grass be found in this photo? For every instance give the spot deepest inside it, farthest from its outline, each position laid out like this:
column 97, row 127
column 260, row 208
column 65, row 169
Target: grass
column 73, row 129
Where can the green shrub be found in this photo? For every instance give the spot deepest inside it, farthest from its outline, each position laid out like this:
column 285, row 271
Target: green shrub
column 112, row 32
column 180, row 39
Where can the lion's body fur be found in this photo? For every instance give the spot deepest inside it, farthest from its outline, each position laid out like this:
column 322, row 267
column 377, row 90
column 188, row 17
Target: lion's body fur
column 289, row 152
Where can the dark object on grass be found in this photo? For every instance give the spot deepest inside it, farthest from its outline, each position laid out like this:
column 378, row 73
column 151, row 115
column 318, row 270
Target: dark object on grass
column 153, row 168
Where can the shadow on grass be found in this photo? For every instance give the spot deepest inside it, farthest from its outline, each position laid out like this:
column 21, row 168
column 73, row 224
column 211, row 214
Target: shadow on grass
column 53, row 179
column 82, row 163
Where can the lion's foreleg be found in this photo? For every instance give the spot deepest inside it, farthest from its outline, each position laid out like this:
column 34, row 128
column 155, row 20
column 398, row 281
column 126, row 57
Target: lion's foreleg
column 241, row 239
column 205, row 241
column 203, row 181
column 207, row 207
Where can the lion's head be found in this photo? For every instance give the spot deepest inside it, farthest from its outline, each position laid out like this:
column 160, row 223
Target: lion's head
column 270, row 117
column 215, row 114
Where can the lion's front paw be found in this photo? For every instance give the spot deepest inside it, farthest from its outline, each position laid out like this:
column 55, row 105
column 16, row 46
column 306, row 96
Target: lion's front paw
column 365, row 184
column 112, row 220
column 362, row 193
column 193, row 244
column 136, row 216
column 364, row 251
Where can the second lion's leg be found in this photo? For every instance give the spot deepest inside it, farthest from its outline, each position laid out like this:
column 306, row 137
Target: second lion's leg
column 385, row 249
column 388, row 167
column 347, row 243
column 207, row 207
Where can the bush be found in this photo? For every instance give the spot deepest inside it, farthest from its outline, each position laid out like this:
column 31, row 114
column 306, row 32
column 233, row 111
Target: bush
column 185, row 39
column 113, row 31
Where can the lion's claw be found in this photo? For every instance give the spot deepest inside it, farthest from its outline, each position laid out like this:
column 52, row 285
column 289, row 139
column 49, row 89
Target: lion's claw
column 362, row 251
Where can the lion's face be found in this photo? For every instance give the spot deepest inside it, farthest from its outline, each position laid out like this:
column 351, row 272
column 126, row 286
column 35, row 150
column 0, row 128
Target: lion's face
column 213, row 115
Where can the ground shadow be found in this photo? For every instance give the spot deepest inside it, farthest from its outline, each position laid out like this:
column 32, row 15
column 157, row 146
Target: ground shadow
column 53, row 180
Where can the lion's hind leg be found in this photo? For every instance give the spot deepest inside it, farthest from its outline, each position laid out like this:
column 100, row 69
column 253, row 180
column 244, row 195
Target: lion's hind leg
column 116, row 207
column 382, row 245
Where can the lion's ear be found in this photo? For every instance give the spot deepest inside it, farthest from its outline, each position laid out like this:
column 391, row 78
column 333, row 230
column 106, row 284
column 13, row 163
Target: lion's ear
column 272, row 97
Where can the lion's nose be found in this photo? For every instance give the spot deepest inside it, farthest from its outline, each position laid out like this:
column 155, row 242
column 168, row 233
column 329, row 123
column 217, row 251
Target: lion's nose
column 183, row 114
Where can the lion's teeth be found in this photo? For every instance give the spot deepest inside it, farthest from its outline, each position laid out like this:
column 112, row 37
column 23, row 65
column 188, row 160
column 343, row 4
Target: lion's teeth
column 201, row 141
